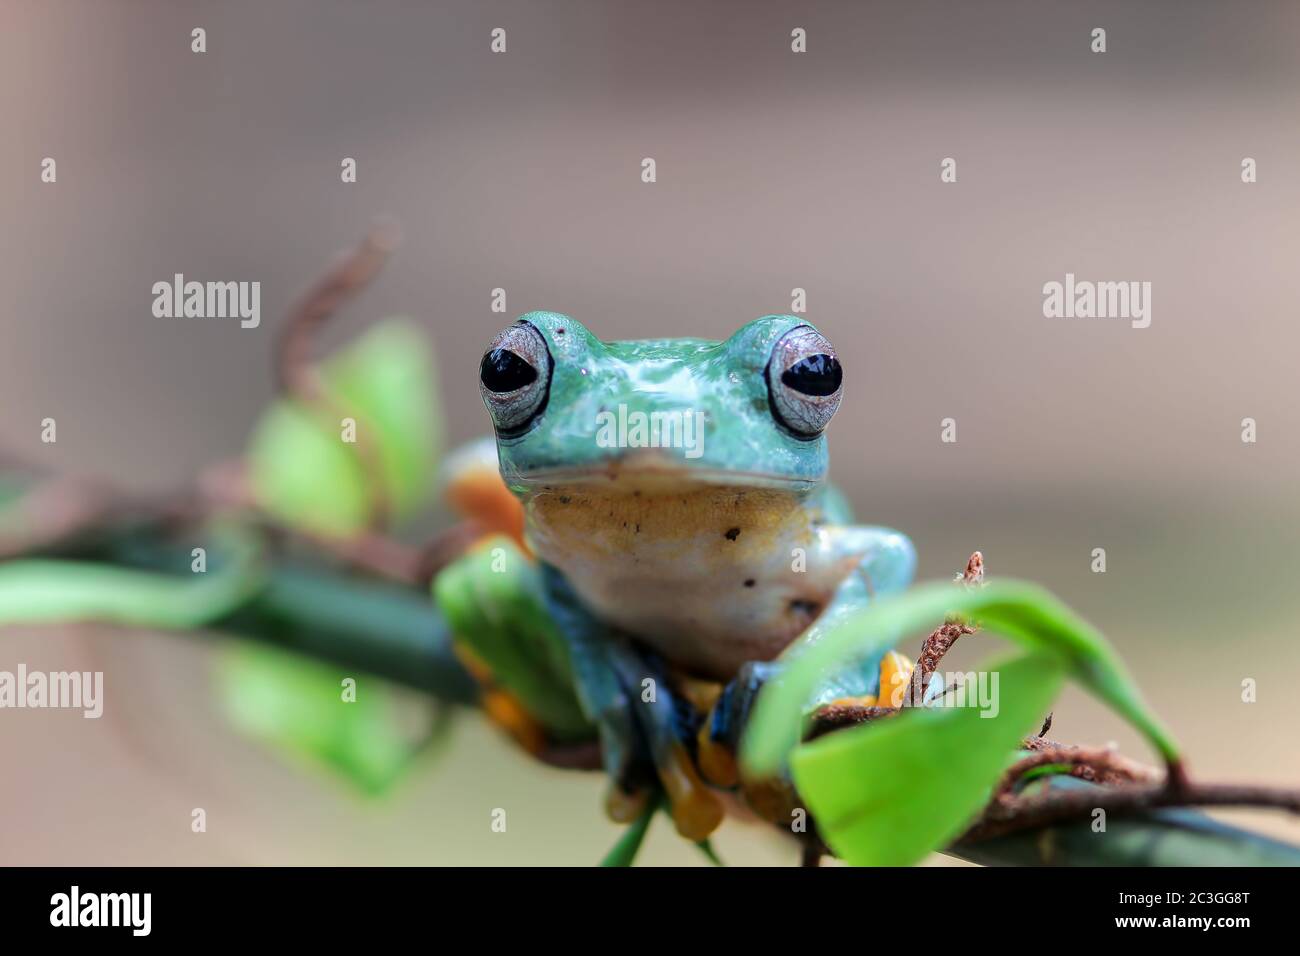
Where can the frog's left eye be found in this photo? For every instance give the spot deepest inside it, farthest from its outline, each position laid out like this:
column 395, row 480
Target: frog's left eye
column 804, row 381
column 515, row 378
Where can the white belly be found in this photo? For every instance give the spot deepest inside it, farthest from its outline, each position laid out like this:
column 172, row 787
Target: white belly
column 706, row 575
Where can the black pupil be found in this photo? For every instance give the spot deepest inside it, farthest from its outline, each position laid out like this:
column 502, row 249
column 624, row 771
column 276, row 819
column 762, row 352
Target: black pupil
column 814, row 375
column 504, row 371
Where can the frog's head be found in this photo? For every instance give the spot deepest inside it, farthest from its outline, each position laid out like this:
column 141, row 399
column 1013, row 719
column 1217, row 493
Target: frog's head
column 751, row 410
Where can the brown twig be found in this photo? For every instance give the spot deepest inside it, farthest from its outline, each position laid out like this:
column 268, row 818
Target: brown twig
column 940, row 641
column 834, row 717
column 1094, row 764
column 297, row 374
column 294, row 348
column 384, row 557
column 1042, row 810
column 974, row 573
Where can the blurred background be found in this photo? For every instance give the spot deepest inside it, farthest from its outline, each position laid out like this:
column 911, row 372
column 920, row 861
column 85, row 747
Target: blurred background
column 775, row 170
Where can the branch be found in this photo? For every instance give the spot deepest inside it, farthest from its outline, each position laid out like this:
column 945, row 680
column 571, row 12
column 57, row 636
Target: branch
column 395, row 632
column 1052, row 807
column 1154, row 837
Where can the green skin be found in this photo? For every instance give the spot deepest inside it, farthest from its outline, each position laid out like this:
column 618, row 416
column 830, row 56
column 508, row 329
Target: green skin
column 710, row 564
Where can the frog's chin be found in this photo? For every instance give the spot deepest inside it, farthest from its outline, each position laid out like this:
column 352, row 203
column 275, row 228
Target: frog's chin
column 654, row 474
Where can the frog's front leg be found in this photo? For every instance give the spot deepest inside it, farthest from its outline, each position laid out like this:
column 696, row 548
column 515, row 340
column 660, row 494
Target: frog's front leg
column 627, row 696
column 880, row 561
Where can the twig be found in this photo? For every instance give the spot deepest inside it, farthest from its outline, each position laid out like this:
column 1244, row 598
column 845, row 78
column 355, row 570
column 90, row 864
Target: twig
column 935, row 647
column 1095, row 764
column 1043, row 810
column 834, row 717
column 297, row 374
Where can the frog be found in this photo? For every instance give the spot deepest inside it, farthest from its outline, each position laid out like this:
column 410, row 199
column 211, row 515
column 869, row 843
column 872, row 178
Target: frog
column 673, row 497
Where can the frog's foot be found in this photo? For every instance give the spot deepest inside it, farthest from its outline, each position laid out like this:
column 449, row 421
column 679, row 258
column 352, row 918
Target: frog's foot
column 501, row 706
column 719, row 737
column 696, row 812
column 636, row 713
column 895, row 672
column 895, row 676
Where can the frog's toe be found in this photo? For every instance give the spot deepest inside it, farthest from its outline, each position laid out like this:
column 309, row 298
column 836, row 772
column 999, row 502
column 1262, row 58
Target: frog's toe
column 866, row 700
column 731, row 713
column 623, row 806
column 717, row 762
column 695, row 811
column 895, row 672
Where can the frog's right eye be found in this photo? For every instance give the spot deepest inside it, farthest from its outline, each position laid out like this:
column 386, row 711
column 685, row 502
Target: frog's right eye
column 804, row 381
column 515, row 378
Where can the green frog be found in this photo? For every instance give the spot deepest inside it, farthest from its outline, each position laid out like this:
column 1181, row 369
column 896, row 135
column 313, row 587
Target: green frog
column 674, row 499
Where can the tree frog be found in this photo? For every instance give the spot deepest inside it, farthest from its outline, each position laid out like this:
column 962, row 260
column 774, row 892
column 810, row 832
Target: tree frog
column 674, row 494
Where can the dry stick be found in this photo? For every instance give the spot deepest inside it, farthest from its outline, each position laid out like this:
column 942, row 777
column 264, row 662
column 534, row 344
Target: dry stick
column 935, row 647
column 834, row 717
column 297, row 375
column 1094, row 764
column 393, row 560
column 1043, row 810
column 226, row 485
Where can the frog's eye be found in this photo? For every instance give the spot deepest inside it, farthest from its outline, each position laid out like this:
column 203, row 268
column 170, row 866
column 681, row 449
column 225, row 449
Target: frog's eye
column 804, row 381
column 515, row 378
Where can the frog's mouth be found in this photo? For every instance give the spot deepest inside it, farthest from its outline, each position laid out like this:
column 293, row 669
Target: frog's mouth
column 640, row 473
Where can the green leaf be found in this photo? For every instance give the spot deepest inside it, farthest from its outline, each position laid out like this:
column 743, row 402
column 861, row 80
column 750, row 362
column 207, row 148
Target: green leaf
column 1024, row 612
column 295, row 704
column 37, row 590
column 891, row 791
column 305, row 474
column 625, row 850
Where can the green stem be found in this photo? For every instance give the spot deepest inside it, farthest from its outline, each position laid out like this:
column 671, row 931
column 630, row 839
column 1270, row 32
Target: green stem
column 625, row 850
column 39, row 590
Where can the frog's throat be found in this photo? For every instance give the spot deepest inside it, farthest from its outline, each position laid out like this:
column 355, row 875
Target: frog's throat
column 702, row 572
